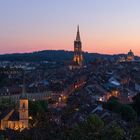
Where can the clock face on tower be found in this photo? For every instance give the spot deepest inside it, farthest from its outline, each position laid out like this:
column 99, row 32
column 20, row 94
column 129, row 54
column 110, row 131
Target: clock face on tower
column 24, row 109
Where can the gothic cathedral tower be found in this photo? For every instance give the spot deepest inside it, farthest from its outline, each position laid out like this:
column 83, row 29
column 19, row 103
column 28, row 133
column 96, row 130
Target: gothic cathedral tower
column 78, row 57
column 23, row 109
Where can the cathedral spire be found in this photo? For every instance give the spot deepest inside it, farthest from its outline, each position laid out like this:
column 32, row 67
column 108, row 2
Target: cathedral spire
column 78, row 34
column 78, row 57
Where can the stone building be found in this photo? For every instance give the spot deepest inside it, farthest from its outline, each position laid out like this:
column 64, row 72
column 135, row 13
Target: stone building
column 16, row 118
column 78, row 56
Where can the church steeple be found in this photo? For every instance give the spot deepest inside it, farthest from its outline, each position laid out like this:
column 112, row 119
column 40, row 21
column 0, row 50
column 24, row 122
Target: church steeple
column 23, row 107
column 23, row 94
column 78, row 34
column 78, row 56
column 23, row 87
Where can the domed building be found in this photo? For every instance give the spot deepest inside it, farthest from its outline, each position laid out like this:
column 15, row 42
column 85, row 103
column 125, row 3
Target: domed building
column 130, row 56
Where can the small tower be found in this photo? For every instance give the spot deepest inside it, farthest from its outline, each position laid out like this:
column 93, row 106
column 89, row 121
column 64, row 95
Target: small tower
column 78, row 57
column 23, row 108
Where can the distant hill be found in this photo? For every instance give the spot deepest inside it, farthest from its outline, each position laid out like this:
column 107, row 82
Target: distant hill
column 53, row 55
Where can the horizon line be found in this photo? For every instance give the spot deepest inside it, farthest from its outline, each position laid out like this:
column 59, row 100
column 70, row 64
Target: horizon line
column 63, row 50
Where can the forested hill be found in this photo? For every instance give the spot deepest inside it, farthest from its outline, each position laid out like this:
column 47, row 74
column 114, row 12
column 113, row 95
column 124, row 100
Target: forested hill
column 51, row 55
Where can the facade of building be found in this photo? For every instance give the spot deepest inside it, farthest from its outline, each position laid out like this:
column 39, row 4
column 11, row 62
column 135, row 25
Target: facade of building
column 31, row 96
column 78, row 57
column 17, row 118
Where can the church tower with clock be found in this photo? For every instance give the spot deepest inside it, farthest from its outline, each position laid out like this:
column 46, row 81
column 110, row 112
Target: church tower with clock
column 23, row 109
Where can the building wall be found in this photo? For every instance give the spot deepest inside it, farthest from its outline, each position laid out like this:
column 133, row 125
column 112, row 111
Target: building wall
column 30, row 96
column 4, row 121
column 23, row 112
column 15, row 125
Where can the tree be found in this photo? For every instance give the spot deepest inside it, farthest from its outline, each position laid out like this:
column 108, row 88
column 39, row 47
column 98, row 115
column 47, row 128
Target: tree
column 113, row 105
column 114, row 132
column 125, row 111
column 136, row 103
column 136, row 134
column 38, row 110
column 128, row 113
column 90, row 129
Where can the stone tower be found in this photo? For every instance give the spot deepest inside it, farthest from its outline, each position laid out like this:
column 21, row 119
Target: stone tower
column 23, row 108
column 78, row 57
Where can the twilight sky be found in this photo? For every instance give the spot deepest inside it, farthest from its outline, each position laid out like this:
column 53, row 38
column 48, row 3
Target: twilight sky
column 106, row 26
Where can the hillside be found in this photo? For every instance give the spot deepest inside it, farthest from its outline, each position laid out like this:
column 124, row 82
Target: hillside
column 52, row 55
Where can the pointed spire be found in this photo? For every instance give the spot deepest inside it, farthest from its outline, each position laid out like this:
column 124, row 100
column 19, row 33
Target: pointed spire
column 77, row 28
column 23, row 94
column 23, row 86
column 78, row 34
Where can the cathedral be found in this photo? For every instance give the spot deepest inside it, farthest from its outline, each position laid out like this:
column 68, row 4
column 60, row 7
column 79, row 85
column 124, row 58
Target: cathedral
column 16, row 118
column 78, row 57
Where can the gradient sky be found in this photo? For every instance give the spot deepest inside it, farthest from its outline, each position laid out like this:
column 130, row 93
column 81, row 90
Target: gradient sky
column 106, row 26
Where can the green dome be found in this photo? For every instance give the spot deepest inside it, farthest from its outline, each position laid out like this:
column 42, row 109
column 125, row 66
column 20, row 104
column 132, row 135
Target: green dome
column 130, row 53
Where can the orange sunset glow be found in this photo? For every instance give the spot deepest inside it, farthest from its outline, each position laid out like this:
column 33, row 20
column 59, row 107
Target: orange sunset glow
column 105, row 28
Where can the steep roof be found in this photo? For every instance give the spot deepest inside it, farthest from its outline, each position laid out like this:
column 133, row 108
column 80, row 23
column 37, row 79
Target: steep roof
column 78, row 34
column 4, row 113
column 14, row 116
